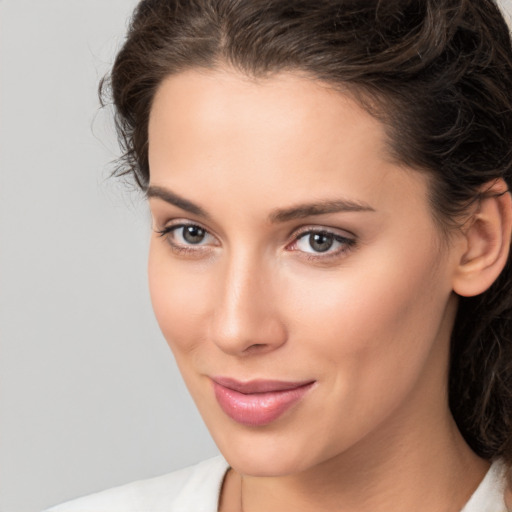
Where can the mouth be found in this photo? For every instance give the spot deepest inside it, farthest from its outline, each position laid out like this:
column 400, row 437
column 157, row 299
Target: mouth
column 259, row 402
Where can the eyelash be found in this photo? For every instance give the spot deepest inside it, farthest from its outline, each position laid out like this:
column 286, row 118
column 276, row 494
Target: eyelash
column 347, row 243
column 167, row 232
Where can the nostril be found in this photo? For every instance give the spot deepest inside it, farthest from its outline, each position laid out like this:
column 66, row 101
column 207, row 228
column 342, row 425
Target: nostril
column 256, row 347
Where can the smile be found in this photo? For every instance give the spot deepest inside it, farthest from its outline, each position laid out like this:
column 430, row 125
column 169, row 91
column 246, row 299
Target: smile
column 258, row 403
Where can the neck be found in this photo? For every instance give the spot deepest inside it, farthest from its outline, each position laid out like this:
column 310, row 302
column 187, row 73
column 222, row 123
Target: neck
column 396, row 474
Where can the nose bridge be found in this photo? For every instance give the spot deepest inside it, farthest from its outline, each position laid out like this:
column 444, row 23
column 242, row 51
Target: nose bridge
column 246, row 314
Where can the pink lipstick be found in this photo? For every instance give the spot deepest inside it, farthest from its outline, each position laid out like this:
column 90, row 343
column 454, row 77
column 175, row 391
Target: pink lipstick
column 259, row 402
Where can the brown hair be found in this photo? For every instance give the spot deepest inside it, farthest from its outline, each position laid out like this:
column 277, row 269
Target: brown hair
column 438, row 73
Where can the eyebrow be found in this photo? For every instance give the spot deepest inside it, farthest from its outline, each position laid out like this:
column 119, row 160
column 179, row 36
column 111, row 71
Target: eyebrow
column 276, row 216
column 176, row 200
column 318, row 208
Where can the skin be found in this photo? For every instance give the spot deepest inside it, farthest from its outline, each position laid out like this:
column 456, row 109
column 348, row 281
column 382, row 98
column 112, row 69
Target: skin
column 369, row 320
column 508, row 491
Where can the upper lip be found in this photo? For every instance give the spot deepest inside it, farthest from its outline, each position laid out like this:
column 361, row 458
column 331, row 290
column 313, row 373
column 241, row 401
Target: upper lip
column 259, row 385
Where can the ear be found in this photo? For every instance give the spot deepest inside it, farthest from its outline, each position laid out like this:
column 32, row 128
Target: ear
column 486, row 241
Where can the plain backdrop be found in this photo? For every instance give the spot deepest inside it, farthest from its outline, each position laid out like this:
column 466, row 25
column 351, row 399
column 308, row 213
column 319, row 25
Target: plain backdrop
column 90, row 395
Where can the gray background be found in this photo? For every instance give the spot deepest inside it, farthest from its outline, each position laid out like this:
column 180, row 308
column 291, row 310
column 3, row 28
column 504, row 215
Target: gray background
column 90, row 396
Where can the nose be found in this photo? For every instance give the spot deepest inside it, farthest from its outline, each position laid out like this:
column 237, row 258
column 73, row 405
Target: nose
column 246, row 317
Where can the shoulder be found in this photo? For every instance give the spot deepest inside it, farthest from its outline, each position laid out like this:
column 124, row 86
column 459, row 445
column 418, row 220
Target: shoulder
column 193, row 489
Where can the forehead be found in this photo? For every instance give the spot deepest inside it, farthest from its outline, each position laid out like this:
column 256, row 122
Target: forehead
column 286, row 132
column 214, row 102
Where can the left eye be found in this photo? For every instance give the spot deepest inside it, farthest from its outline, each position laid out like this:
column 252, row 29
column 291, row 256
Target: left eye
column 321, row 242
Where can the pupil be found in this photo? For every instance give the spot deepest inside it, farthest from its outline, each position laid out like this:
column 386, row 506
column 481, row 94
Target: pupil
column 320, row 242
column 193, row 234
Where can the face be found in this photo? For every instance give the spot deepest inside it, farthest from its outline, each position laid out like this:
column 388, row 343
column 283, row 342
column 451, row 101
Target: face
column 295, row 269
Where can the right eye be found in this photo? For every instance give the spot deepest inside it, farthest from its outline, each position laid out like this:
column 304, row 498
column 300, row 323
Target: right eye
column 187, row 236
column 190, row 234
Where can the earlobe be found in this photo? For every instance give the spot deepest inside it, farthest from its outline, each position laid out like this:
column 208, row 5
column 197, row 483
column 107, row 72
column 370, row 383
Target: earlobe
column 487, row 241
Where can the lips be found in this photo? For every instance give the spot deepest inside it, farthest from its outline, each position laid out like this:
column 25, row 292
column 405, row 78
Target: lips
column 258, row 402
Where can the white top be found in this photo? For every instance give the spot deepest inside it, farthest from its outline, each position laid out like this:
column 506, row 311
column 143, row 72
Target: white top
column 197, row 489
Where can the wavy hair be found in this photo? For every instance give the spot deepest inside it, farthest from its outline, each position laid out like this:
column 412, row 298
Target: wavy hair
column 437, row 73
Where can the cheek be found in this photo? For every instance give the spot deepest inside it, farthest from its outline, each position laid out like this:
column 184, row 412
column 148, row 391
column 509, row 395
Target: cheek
column 178, row 296
column 356, row 311
column 372, row 324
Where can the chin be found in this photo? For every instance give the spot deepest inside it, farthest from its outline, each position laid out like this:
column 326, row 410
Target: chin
column 259, row 465
column 266, row 452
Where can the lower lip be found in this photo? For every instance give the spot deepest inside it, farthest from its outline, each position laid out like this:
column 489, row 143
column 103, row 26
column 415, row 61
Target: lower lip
column 258, row 409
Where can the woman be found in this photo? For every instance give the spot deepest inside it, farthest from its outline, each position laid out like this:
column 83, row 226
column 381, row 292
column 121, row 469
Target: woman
column 329, row 188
